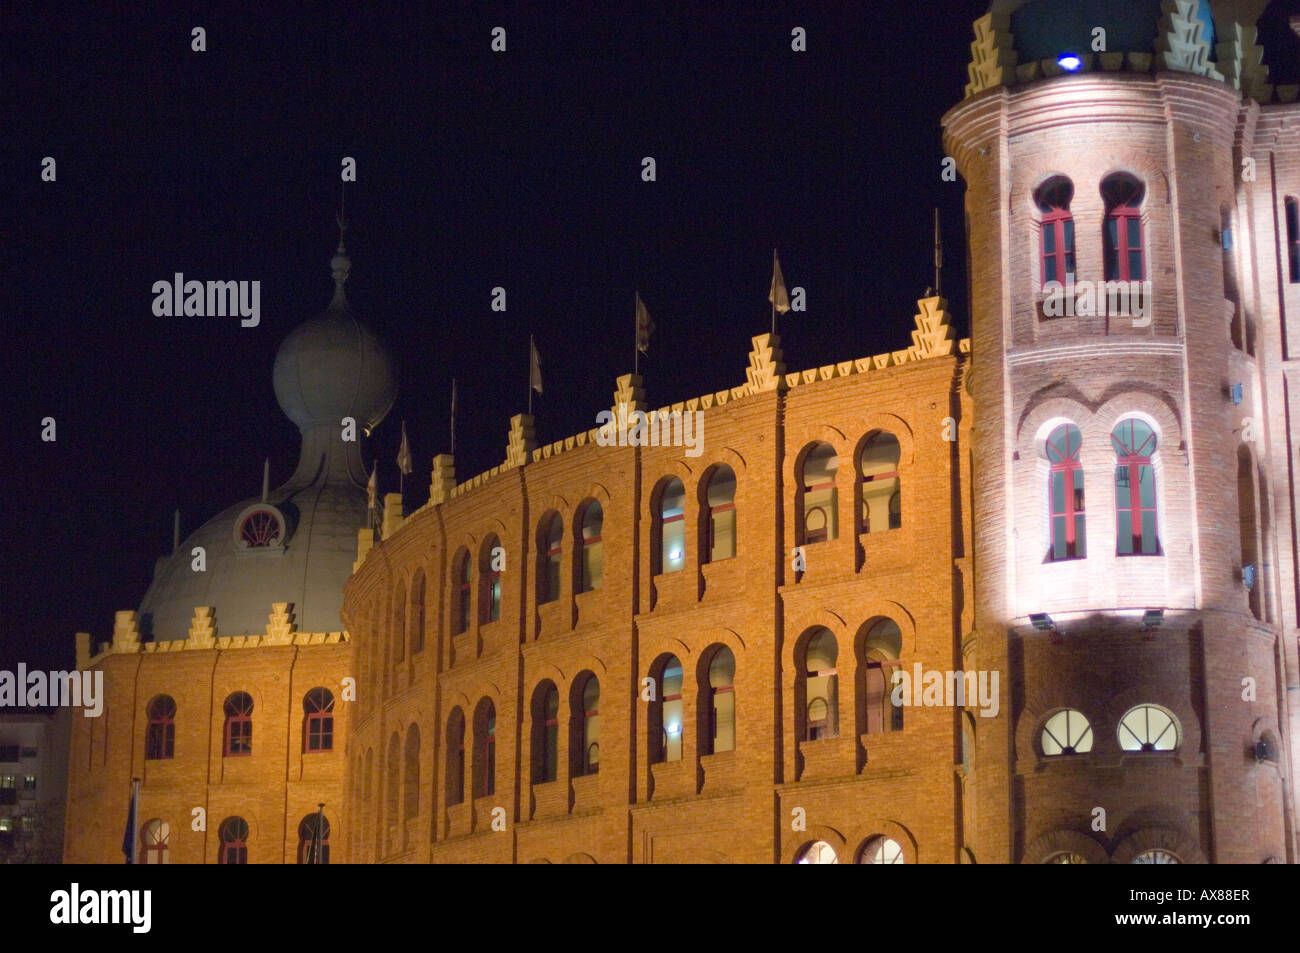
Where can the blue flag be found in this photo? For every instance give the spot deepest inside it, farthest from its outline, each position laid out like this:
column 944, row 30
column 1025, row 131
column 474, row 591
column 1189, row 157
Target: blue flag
column 128, row 839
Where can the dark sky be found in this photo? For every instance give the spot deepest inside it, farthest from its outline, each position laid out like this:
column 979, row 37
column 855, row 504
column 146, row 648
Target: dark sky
column 475, row 169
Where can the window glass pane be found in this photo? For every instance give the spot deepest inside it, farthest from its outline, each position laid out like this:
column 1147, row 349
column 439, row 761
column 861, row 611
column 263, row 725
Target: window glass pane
column 1147, row 486
column 1124, row 533
column 1135, row 266
column 1122, row 491
column 1049, row 269
column 1080, row 543
column 1150, row 544
column 674, row 544
column 1134, row 232
column 1049, row 238
column 1069, row 235
column 1292, row 219
column 1058, row 492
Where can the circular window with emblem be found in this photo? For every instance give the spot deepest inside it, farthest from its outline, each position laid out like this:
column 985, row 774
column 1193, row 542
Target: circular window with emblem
column 260, row 528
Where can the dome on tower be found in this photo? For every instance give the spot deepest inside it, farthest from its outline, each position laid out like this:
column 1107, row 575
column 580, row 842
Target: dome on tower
column 1047, row 29
column 334, row 367
column 296, row 543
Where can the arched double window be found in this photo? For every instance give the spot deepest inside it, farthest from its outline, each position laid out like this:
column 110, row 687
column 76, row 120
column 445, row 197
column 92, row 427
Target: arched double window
column 550, row 537
column 399, row 623
column 1057, row 229
column 1065, row 491
column 490, row 563
column 238, row 707
column 666, row 710
column 1135, row 488
column 485, row 749
column 460, row 592
column 318, row 720
column 817, row 495
column 719, row 692
column 719, row 540
column 233, row 836
column 819, row 684
column 416, row 612
column 455, row 757
column 668, row 533
column 1122, row 236
column 155, row 838
column 882, row 504
column 314, row 840
column 160, row 736
column 584, row 729
column 590, row 562
column 880, row 642
column 546, row 732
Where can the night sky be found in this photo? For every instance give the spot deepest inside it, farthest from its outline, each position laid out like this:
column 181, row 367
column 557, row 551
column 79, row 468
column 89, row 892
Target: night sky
column 474, row 169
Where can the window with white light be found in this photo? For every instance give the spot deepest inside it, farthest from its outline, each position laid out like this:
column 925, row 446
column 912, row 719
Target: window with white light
column 818, row 852
column 1148, row 728
column 1066, row 732
column 881, row 850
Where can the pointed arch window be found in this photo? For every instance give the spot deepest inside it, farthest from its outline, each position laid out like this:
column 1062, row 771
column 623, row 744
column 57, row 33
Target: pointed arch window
column 550, row 538
column 1122, row 236
column 720, row 691
column 546, row 733
column 490, row 595
column 818, row 498
column 1066, row 493
column 455, row 757
column 590, row 561
column 670, row 527
column 720, row 502
column 239, row 725
column 318, row 720
column 1057, row 229
column 1135, row 489
column 821, row 699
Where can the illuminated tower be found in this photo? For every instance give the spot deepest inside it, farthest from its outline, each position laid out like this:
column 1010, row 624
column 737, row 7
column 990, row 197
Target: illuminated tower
column 1134, row 542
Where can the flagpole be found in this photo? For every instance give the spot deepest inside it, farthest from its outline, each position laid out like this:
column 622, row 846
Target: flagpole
column 453, row 416
column 531, row 349
column 636, row 335
column 317, row 836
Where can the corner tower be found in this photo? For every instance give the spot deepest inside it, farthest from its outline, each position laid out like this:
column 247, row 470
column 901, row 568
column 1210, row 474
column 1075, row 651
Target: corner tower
column 1127, row 582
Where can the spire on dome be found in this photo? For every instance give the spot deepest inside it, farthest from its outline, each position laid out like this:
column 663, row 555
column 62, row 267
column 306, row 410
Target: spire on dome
column 340, row 264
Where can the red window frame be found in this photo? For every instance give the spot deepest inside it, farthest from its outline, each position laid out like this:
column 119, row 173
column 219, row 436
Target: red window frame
column 587, row 541
column 1062, row 257
column 160, row 735
column 234, row 842
column 829, row 720
column 1067, row 467
column 306, row 834
column 156, row 852
column 1122, row 209
column 1133, row 461
column 238, row 733
column 318, row 721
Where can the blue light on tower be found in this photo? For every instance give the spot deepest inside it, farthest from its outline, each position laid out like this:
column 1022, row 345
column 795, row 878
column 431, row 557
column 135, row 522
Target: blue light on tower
column 1069, row 62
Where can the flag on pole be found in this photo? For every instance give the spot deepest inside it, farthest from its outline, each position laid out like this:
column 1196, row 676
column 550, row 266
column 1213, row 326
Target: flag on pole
column 316, row 847
column 644, row 326
column 780, row 300
column 535, row 366
column 404, row 453
column 453, row 416
column 130, row 840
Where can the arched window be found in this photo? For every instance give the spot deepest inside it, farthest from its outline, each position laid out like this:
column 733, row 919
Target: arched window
column 485, row 749
column 1155, row 856
column 1230, row 275
column 880, row 643
column 584, row 725
column 239, row 725
column 155, row 838
column 1148, row 728
column 399, row 623
column 550, row 536
column 1293, row 238
column 1122, row 236
column 455, row 757
column 393, row 780
column 881, row 494
column 1135, row 489
column 489, row 568
column 318, row 721
column 233, row 835
column 1066, row 732
column 820, row 683
column 411, row 776
column 720, row 507
column 720, row 693
column 546, row 732
column 314, row 840
column 460, row 593
column 417, row 612
column 818, row 852
column 1057, row 229
column 1247, row 523
column 160, row 736
column 1066, row 857
column 666, row 712
column 669, row 529
column 818, row 499
column 589, row 546
column 1066, row 493
column 881, row 850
